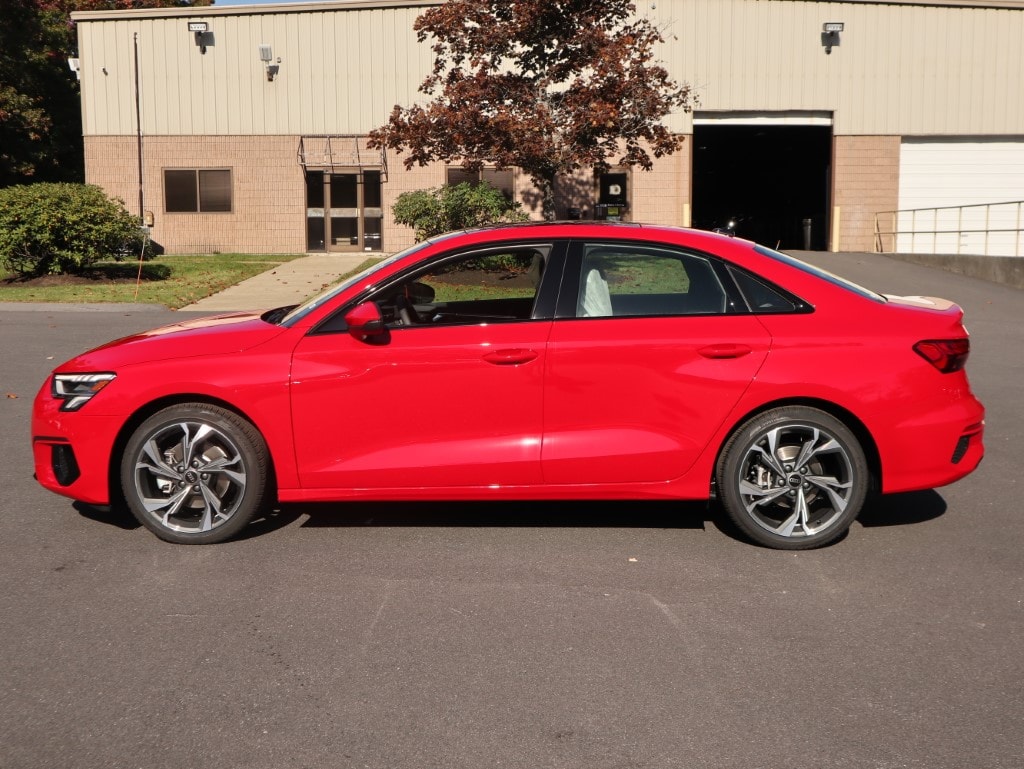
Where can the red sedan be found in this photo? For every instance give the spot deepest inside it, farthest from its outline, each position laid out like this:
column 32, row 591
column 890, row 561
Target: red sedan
column 541, row 361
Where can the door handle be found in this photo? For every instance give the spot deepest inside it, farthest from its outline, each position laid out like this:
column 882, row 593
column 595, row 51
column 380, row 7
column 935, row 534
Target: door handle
column 726, row 350
column 510, row 357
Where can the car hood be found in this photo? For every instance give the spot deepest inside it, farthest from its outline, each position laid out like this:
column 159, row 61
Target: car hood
column 216, row 335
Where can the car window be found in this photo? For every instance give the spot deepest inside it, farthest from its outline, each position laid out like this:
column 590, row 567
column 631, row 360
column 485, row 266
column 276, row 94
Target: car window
column 633, row 280
column 825, row 275
column 760, row 296
column 486, row 286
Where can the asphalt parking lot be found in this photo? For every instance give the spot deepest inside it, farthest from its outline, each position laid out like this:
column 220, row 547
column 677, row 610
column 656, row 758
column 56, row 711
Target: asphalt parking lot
column 590, row 636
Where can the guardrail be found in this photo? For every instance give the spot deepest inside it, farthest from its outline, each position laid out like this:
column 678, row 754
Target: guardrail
column 987, row 229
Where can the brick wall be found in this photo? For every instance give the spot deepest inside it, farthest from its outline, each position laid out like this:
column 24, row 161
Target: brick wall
column 866, row 182
column 269, row 190
column 395, row 237
column 662, row 195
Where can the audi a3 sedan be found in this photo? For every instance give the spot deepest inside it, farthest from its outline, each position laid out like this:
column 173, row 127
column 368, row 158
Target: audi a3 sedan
column 541, row 361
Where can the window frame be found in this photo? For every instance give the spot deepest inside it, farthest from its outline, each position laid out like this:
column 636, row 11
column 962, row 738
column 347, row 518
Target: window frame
column 511, row 171
column 198, row 190
column 567, row 308
column 544, row 302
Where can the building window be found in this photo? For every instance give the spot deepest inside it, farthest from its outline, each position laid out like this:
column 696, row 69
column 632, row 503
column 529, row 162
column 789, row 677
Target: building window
column 191, row 191
column 502, row 180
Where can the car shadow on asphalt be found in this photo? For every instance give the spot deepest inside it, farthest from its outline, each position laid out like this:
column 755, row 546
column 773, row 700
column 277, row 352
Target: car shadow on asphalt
column 562, row 514
column 117, row 516
column 902, row 509
column 120, row 517
column 890, row 510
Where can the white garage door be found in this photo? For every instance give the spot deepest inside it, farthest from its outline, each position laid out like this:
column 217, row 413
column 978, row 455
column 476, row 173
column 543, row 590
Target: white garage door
column 939, row 179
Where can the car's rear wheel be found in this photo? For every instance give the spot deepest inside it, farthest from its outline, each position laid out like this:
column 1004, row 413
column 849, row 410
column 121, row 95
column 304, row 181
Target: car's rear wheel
column 195, row 473
column 792, row 478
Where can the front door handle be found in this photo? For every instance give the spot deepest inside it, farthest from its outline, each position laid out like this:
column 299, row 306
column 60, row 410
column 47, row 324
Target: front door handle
column 510, row 357
column 727, row 350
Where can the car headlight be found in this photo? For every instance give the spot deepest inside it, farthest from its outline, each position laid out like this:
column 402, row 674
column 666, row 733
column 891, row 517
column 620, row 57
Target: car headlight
column 77, row 389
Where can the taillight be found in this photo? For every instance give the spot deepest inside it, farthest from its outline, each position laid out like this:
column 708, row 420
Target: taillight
column 947, row 355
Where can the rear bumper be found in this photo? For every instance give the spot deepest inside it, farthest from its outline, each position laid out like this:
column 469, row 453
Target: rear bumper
column 935, row 449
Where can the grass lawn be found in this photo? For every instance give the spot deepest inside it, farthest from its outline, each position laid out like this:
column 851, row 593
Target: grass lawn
column 174, row 281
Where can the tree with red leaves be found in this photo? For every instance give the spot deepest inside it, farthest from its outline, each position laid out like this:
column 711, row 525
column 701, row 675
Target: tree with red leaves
column 550, row 86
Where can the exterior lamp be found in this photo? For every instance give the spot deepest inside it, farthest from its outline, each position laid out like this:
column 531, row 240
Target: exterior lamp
column 830, row 34
column 267, row 56
column 200, row 29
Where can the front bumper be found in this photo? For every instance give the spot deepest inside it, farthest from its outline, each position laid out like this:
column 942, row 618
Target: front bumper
column 71, row 450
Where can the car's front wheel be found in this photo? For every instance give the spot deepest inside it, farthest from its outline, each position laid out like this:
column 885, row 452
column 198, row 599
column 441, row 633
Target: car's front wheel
column 792, row 478
column 195, row 473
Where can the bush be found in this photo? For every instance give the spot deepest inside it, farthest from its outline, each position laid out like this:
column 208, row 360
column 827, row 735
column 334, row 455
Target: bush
column 49, row 229
column 448, row 208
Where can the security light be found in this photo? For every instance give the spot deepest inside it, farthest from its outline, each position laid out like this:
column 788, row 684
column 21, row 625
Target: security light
column 200, row 29
column 267, row 56
column 830, row 34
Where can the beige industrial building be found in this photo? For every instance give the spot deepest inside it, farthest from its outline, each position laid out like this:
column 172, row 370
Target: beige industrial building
column 244, row 128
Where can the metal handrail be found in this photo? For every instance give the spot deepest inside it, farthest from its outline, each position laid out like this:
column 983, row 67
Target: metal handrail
column 895, row 232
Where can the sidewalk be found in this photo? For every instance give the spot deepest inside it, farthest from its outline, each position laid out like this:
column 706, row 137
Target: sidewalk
column 288, row 283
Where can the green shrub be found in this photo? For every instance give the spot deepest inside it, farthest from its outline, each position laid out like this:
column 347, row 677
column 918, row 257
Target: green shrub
column 50, row 229
column 459, row 207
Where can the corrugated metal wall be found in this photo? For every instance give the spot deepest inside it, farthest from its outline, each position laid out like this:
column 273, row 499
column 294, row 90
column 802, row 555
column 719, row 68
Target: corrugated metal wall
column 341, row 72
column 898, row 70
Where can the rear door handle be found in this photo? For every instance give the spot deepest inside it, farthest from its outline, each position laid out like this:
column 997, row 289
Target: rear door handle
column 725, row 350
column 510, row 357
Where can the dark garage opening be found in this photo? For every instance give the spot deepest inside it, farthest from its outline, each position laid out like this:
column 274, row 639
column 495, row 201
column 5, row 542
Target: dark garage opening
column 766, row 178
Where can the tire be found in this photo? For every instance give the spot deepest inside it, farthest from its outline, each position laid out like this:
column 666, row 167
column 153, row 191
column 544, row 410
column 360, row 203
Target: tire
column 195, row 474
column 792, row 478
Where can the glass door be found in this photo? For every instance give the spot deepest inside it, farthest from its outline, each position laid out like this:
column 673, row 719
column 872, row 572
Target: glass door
column 344, row 215
column 343, row 210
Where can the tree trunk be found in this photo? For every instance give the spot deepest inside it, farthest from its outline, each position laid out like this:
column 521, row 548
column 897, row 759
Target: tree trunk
column 547, row 192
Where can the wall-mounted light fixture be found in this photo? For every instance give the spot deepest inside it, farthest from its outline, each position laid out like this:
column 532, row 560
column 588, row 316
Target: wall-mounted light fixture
column 201, row 29
column 75, row 66
column 267, row 56
column 830, row 34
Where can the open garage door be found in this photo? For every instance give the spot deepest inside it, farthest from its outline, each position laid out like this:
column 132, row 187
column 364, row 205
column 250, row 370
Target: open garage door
column 946, row 188
column 768, row 173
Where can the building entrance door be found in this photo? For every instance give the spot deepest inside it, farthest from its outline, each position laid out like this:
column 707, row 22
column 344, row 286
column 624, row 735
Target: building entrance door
column 343, row 210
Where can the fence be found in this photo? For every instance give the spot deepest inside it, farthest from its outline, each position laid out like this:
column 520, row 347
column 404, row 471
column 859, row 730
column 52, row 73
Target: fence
column 988, row 229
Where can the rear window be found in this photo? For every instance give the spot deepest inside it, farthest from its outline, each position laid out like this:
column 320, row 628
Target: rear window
column 835, row 280
column 763, row 298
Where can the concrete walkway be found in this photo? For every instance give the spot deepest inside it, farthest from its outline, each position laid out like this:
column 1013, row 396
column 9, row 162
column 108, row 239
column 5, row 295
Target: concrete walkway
column 288, row 283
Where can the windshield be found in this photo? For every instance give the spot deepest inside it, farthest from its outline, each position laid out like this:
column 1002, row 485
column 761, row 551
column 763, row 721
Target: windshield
column 820, row 273
column 299, row 312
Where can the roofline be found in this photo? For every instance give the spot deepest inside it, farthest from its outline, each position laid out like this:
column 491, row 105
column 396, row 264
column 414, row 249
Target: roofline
column 250, row 10
column 362, row 5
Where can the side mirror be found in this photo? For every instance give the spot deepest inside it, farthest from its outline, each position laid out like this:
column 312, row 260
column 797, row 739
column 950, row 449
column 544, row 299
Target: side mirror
column 365, row 322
